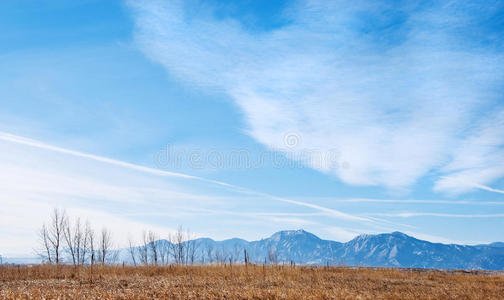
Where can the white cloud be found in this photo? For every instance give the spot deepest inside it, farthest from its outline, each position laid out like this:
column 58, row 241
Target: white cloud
column 478, row 159
column 393, row 110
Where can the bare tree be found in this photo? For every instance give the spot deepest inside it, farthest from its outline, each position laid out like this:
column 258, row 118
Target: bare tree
column 221, row 256
column 58, row 222
column 74, row 238
column 209, row 252
column 236, row 252
column 246, row 259
column 78, row 240
column 178, row 246
column 152, row 239
column 132, row 250
column 51, row 236
column 164, row 251
column 91, row 244
column 61, row 235
column 143, row 251
column 105, row 254
column 272, row 256
column 202, row 256
column 217, row 255
column 84, row 245
column 47, row 252
column 190, row 248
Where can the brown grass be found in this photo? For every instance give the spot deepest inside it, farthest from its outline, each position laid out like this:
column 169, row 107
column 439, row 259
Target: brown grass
column 240, row 282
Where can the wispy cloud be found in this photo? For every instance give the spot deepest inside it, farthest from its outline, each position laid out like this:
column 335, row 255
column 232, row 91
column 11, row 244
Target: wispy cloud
column 487, row 188
column 478, row 159
column 36, row 176
column 37, row 144
column 35, row 179
column 432, row 214
column 393, row 89
column 461, row 181
column 413, row 201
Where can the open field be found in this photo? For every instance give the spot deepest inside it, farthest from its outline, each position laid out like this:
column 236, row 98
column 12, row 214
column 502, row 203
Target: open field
column 240, row 282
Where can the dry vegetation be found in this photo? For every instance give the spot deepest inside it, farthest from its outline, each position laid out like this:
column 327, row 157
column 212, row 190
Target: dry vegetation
column 241, row 282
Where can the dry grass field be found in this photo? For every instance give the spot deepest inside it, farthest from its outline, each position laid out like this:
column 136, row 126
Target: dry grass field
column 240, row 282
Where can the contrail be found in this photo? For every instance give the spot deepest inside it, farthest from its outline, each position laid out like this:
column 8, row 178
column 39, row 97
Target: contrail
column 38, row 144
column 409, row 201
column 487, row 188
column 475, row 185
column 33, row 143
column 430, row 214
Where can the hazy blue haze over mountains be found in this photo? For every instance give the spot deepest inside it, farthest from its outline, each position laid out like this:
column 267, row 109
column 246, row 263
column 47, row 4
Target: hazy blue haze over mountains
column 382, row 250
column 304, row 248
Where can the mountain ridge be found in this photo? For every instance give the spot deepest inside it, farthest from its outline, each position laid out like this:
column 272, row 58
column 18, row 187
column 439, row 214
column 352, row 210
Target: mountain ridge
column 395, row 249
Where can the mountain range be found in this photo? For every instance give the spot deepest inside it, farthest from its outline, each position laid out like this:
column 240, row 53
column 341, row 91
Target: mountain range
column 394, row 249
column 300, row 247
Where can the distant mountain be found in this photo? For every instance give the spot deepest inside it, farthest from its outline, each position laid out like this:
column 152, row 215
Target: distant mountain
column 382, row 250
column 400, row 250
column 496, row 244
column 394, row 249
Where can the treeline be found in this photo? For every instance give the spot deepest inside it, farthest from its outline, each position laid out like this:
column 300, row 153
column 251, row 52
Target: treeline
column 179, row 248
column 63, row 240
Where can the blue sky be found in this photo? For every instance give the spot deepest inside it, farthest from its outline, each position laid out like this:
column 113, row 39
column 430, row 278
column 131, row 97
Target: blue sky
column 242, row 119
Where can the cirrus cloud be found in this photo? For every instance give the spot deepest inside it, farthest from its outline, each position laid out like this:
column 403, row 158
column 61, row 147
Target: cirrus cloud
column 396, row 89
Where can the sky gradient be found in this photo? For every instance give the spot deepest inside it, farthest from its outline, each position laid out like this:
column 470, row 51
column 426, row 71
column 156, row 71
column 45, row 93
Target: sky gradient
column 242, row 119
